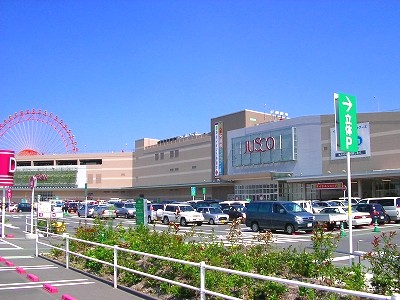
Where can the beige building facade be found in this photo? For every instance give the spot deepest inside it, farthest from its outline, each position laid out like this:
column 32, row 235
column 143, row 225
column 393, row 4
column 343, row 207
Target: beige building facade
column 246, row 155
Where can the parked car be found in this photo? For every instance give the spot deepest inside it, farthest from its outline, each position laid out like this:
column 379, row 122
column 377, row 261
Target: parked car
column 359, row 218
column 105, row 211
column 154, row 212
column 23, row 207
column 331, row 217
column 375, row 210
column 203, row 203
column 88, row 209
column 278, row 215
column 326, row 203
column 236, row 211
column 316, row 208
column 390, row 204
column 181, row 213
column 73, row 207
column 213, row 215
column 127, row 210
column 13, row 207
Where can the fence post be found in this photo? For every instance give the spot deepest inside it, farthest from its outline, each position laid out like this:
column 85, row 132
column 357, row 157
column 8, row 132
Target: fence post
column 115, row 266
column 37, row 243
column 202, row 280
column 66, row 250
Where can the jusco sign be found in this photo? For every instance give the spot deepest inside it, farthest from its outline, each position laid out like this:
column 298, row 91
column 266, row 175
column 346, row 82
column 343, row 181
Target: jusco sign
column 260, row 144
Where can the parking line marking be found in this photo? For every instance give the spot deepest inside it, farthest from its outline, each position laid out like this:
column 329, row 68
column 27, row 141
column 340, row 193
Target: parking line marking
column 17, row 257
column 30, row 285
column 11, row 244
column 45, row 267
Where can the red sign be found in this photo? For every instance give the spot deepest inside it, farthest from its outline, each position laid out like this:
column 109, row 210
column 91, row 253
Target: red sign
column 330, row 186
column 32, row 182
column 8, row 165
column 9, row 194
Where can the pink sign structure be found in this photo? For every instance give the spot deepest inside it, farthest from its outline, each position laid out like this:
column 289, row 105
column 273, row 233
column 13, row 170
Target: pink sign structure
column 8, row 164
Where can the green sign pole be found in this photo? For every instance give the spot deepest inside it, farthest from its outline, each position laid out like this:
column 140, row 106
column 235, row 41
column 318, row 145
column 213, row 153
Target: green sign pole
column 347, row 141
column 193, row 192
column 141, row 211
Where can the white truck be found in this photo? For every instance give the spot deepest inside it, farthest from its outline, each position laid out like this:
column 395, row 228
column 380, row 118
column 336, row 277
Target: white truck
column 331, row 217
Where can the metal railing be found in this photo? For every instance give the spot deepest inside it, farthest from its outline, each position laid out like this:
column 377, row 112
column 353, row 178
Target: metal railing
column 203, row 267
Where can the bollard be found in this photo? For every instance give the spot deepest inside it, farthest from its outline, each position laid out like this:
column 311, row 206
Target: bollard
column 342, row 233
column 376, row 228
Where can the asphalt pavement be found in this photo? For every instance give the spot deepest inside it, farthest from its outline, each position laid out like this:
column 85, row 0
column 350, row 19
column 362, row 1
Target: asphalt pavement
column 25, row 276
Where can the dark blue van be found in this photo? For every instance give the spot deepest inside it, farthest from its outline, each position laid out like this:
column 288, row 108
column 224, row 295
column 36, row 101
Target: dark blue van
column 278, row 215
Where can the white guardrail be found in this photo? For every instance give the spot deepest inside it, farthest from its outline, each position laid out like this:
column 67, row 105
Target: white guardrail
column 203, row 267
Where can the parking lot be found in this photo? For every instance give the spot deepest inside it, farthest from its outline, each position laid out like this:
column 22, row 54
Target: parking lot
column 20, row 252
column 24, row 276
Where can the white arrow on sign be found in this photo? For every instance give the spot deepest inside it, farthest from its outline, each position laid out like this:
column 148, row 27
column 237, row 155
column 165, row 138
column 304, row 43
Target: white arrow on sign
column 348, row 104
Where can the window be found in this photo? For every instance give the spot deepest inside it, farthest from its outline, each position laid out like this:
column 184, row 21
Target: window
column 156, row 156
column 176, row 153
column 162, row 155
column 98, row 178
column 90, row 178
column 171, row 154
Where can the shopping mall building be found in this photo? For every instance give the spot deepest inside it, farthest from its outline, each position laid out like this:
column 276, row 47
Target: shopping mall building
column 246, row 155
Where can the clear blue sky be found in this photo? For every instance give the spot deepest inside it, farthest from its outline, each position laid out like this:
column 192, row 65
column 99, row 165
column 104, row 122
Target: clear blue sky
column 117, row 71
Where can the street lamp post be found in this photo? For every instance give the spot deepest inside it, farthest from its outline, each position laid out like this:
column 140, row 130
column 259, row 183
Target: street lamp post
column 32, row 184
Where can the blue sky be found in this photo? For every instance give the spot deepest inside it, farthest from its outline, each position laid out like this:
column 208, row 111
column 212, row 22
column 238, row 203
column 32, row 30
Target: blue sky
column 117, row 71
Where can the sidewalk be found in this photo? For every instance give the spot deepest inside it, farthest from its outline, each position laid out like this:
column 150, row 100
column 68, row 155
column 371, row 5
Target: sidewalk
column 24, row 276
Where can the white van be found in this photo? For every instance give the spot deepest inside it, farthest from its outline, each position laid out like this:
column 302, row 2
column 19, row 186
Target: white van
column 306, row 205
column 390, row 204
column 233, row 202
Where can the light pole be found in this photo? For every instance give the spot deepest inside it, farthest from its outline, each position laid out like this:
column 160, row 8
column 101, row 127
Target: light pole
column 32, row 184
column 378, row 102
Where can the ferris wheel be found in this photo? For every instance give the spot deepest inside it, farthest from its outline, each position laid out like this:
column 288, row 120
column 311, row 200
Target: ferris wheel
column 36, row 132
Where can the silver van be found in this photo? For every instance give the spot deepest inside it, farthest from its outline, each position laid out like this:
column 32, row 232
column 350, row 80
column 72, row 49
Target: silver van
column 278, row 215
column 390, row 204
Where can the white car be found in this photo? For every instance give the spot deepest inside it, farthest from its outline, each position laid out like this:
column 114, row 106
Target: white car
column 181, row 213
column 357, row 218
column 154, row 212
column 13, row 207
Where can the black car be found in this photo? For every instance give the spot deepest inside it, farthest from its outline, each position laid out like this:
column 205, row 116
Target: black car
column 376, row 211
column 24, row 207
column 235, row 211
column 73, row 207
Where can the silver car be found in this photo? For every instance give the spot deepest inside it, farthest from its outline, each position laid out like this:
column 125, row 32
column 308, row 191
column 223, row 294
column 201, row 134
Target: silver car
column 105, row 211
column 127, row 210
column 213, row 215
column 88, row 209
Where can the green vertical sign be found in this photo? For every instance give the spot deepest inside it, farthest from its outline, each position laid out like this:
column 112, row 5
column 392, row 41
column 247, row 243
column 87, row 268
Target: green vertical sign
column 204, row 191
column 193, row 191
column 140, row 211
column 346, row 122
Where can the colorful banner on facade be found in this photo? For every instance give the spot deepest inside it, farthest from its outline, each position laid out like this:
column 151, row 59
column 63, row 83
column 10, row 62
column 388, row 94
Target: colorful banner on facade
column 218, row 149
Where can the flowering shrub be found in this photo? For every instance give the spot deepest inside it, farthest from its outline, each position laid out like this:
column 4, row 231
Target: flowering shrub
column 260, row 257
column 385, row 264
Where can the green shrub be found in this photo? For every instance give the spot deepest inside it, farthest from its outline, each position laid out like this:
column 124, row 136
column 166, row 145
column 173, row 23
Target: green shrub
column 385, row 264
column 262, row 259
